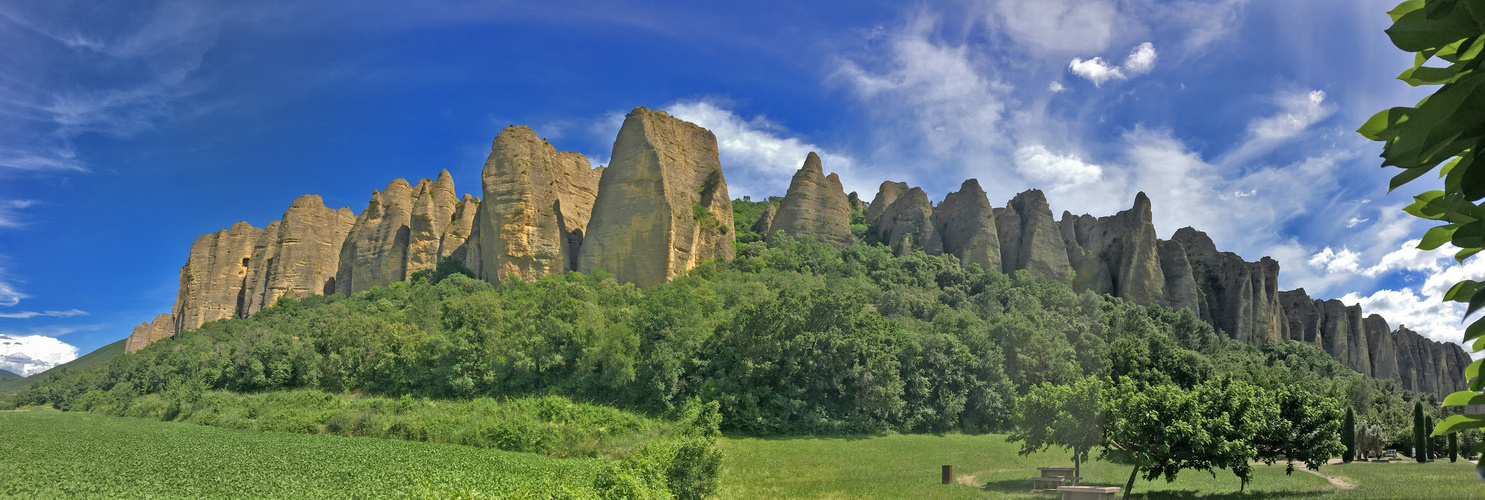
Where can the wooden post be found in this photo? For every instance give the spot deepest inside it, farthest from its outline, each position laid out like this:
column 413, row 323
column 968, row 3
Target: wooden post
column 948, row 474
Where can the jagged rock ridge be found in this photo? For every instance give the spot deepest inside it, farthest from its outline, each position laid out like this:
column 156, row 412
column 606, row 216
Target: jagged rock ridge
column 661, row 207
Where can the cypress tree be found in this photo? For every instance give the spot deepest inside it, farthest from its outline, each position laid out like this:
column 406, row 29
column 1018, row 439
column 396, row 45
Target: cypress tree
column 1453, row 447
column 1348, row 436
column 1428, row 428
column 1420, row 442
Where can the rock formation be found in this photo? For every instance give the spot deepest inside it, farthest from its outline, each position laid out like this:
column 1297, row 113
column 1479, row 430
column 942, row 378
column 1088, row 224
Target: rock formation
column 454, row 242
column 906, row 223
column 211, row 282
column 1180, row 284
column 1239, row 297
column 1030, row 238
column 305, row 255
column 764, row 226
column 886, row 194
column 814, row 206
column 537, row 206
column 375, row 252
column 432, row 213
column 966, row 223
column 662, row 205
column 1118, row 254
column 1427, row 366
column 1379, row 345
column 1304, row 316
column 146, row 333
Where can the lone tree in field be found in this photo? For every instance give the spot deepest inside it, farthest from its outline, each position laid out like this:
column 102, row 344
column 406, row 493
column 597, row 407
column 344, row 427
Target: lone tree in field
column 1348, row 436
column 1061, row 415
column 1420, row 436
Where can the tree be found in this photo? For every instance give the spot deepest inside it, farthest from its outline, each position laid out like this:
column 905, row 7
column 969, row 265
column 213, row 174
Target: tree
column 1420, row 440
column 1308, row 429
column 1163, row 428
column 1446, row 128
column 1060, row 415
column 1348, row 436
column 1453, row 447
column 1371, row 438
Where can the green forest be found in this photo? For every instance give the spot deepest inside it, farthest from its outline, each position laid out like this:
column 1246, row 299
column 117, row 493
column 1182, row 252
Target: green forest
column 793, row 337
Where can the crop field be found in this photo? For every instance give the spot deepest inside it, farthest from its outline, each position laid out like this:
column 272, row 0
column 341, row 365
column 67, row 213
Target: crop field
column 52, row 454
column 985, row 466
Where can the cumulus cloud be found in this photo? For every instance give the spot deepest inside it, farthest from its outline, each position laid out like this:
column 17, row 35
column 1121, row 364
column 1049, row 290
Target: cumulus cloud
column 760, row 156
column 1055, row 172
column 28, row 355
column 53, row 314
column 1422, row 309
column 1056, row 87
column 1140, row 61
column 1343, row 261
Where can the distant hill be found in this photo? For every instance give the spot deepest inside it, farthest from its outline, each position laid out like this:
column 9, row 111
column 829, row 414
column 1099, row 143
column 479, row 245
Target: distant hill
column 11, row 383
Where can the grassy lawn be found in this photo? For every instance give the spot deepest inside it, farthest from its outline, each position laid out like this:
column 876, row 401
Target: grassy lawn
column 51, row 454
column 988, row 467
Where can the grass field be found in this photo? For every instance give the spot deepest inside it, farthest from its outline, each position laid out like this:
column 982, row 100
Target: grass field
column 988, row 467
column 52, row 454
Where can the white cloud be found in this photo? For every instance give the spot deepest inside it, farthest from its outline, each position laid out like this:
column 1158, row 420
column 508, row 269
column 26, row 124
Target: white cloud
column 54, row 314
column 9, row 295
column 1055, row 172
column 1140, row 61
column 1354, row 221
column 1056, row 87
column 1299, row 111
column 1059, row 26
column 1344, row 261
column 31, row 354
column 1423, row 309
column 760, row 156
column 1095, row 70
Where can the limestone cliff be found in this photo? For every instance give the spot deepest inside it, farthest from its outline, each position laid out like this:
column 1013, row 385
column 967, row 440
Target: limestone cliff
column 375, row 251
column 146, row 333
column 1180, row 284
column 1118, row 254
column 454, row 242
column 433, row 212
column 305, row 253
column 815, row 206
column 906, row 224
column 211, row 282
column 966, row 223
column 886, row 194
column 1239, row 297
column 536, row 207
column 764, row 226
column 662, row 205
column 1380, row 345
column 1030, row 238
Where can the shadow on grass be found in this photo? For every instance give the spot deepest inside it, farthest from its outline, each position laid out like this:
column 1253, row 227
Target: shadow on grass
column 1023, row 486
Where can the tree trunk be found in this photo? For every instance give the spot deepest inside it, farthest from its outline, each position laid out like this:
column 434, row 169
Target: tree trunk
column 1130, row 485
column 1077, row 465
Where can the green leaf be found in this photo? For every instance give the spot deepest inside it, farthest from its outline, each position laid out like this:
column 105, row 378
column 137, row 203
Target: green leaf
column 1474, row 331
column 1477, row 300
column 1464, row 398
column 1381, row 126
column 1465, row 254
column 1407, row 175
column 1460, row 290
column 1471, row 235
column 1437, row 236
column 1456, row 423
column 1472, row 371
column 1424, row 75
column 1404, row 8
column 1416, row 30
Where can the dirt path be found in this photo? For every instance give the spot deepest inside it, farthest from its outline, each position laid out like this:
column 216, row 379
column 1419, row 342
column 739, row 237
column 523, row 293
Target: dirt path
column 1339, row 482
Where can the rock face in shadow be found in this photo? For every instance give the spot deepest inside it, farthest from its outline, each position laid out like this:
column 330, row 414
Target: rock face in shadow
column 815, row 206
column 662, row 205
column 537, row 203
column 906, row 224
column 302, row 256
column 764, row 226
column 1304, row 316
column 886, row 194
column 1180, row 284
column 147, row 333
column 1428, row 366
column 1118, row 254
column 211, row 281
column 1031, row 239
column 255, row 285
column 1241, row 298
column 1380, row 345
column 966, row 223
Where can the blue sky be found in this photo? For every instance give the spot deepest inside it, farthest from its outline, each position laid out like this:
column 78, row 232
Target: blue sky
column 128, row 129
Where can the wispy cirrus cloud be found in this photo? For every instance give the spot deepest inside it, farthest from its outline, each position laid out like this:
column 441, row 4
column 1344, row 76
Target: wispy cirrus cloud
column 51, row 314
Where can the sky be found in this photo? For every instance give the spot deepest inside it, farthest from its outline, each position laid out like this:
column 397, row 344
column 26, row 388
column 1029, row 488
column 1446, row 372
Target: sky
column 127, row 129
